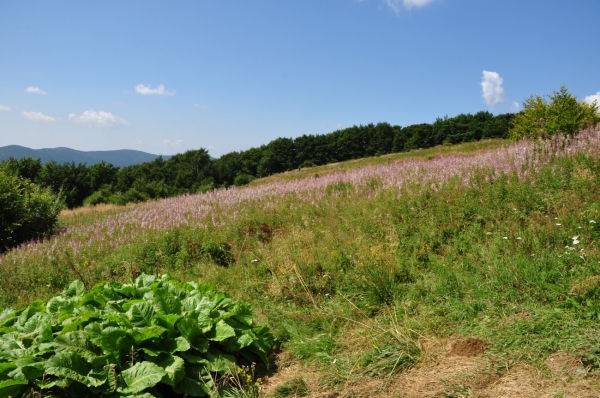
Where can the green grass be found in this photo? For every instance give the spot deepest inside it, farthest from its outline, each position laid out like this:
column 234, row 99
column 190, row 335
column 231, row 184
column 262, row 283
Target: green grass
column 350, row 280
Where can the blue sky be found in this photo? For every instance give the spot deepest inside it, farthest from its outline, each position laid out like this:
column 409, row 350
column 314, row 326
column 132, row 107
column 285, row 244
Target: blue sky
column 164, row 77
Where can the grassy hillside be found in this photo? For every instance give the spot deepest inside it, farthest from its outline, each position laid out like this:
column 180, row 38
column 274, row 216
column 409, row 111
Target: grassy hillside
column 438, row 273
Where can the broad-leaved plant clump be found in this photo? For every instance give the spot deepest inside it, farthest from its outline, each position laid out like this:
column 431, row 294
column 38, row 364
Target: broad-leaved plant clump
column 152, row 338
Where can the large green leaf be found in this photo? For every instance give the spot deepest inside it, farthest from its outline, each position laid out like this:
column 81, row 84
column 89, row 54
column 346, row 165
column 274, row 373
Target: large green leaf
column 141, row 376
column 144, row 281
column 192, row 333
column 168, row 322
column 115, row 342
column 72, row 366
column 75, row 289
column 5, row 368
column 196, row 383
column 6, row 314
column 141, row 314
column 174, row 368
column 182, row 344
column 242, row 313
column 222, row 331
column 263, row 344
column 165, row 303
column 29, row 368
column 100, row 295
column 12, row 388
column 32, row 309
column 213, row 360
column 142, row 335
column 246, row 339
column 78, row 320
column 78, row 342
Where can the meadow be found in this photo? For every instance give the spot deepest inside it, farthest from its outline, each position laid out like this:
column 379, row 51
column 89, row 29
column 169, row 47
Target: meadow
column 371, row 270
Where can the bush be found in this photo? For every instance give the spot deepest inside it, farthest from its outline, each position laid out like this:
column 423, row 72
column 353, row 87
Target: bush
column 563, row 113
column 243, row 179
column 27, row 211
column 153, row 338
column 98, row 197
column 131, row 196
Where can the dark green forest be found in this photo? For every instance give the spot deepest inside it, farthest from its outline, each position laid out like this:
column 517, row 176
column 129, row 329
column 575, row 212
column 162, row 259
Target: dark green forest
column 195, row 171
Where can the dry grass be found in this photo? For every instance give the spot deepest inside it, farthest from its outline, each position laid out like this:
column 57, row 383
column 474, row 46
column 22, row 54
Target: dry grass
column 444, row 375
column 100, row 208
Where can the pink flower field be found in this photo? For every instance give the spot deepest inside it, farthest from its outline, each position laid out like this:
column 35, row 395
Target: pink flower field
column 113, row 230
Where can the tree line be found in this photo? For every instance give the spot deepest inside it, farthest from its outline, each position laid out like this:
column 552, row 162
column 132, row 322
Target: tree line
column 195, row 171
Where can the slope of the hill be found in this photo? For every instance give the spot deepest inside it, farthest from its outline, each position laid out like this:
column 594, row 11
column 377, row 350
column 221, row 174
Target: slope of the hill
column 121, row 157
column 450, row 274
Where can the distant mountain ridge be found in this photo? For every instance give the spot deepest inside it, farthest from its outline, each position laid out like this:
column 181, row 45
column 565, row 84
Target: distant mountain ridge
column 121, row 157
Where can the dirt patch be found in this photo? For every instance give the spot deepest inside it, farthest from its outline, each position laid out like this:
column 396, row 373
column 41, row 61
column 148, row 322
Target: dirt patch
column 468, row 347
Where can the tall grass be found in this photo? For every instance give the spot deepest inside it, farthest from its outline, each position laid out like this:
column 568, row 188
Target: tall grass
column 352, row 268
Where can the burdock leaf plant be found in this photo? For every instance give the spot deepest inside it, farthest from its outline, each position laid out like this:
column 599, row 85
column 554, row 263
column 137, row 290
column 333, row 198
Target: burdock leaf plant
column 152, row 338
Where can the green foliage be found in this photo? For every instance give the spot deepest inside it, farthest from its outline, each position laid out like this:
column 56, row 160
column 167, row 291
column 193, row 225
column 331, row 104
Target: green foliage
column 561, row 112
column 27, row 211
column 220, row 253
column 243, row 179
column 152, row 338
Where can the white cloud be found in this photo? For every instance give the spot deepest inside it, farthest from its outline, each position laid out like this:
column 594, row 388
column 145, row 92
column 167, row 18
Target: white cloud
column 202, row 107
column 98, row 119
column 396, row 5
column 38, row 117
column 146, row 90
column 172, row 143
column 416, row 3
column 514, row 107
column 594, row 97
column 35, row 90
column 493, row 92
column 4, row 108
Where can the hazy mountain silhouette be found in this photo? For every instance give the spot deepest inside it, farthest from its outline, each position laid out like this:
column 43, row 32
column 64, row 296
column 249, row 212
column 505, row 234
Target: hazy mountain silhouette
column 121, row 157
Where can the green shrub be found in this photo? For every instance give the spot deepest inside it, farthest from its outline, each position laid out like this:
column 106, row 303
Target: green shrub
column 243, row 179
column 100, row 196
column 131, row 196
column 153, row 338
column 563, row 113
column 27, row 211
